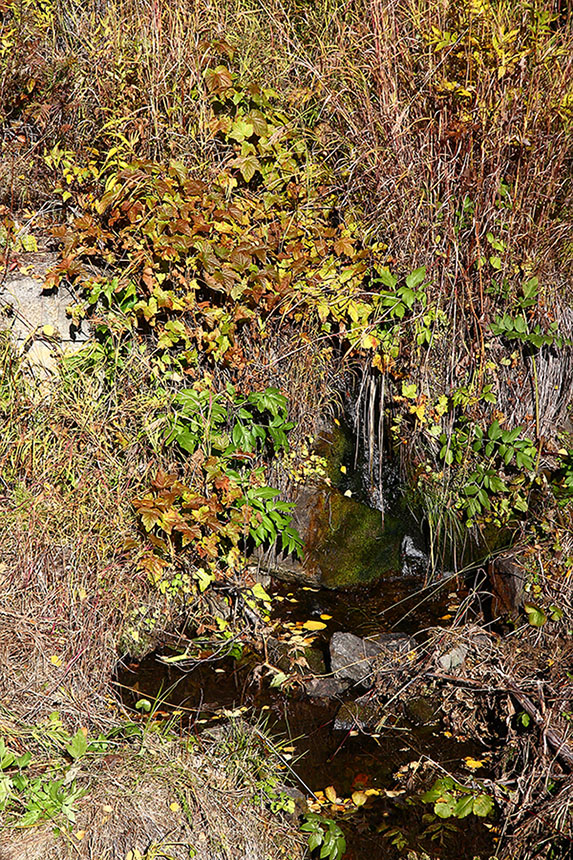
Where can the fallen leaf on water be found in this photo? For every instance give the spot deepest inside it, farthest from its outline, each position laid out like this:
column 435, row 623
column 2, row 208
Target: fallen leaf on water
column 314, row 625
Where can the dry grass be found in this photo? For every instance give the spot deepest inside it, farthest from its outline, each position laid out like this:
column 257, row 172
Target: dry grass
column 69, row 584
column 70, row 466
column 162, row 797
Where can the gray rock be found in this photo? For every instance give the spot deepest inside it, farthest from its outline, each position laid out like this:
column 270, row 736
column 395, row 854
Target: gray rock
column 453, row 659
column 354, row 658
column 37, row 319
column 325, row 688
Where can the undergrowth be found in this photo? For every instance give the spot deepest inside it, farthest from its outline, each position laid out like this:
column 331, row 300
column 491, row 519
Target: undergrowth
column 256, row 201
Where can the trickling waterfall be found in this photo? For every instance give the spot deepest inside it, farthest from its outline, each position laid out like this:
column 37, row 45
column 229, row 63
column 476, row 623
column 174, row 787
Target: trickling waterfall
column 368, row 415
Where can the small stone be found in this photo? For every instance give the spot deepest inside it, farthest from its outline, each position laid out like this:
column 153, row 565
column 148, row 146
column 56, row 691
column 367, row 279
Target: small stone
column 325, row 688
column 453, row 659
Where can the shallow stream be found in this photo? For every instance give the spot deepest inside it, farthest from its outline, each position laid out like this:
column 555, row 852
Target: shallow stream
column 213, row 691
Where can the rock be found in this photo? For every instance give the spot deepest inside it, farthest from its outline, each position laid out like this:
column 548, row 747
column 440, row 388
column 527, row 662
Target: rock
column 37, row 319
column 453, row 659
column 325, row 688
column 363, row 715
column 346, row 543
column 354, row 658
column 315, row 660
column 422, row 711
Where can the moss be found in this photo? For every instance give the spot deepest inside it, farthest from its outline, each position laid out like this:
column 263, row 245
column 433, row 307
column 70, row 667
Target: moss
column 353, row 545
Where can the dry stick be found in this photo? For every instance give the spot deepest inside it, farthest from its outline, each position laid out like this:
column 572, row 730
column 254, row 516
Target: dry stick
column 559, row 744
column 562, row 748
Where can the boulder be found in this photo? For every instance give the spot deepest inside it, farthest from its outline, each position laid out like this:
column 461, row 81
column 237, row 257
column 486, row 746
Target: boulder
column 354, row 658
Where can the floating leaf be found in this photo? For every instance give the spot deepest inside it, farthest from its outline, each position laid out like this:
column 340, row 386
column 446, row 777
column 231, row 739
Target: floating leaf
column 314, row 625
column 359, row 798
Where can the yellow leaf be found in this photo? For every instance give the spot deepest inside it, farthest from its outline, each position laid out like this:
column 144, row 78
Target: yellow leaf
column 79, row 834
column 473, row 763
column 330, row 793
column 174, row 807
column 82, row 593
column 445, row 617
column 326, row 617
column 314, row 625
column 55, row 660
column 343, row 470
column 359, row 798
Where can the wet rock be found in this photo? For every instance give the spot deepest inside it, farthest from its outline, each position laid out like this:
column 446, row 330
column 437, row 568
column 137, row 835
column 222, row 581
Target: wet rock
column 315, row 661
column 361, row 715
column 325, row 688
column 354, row 658
column 422, row 711
column 346, row 543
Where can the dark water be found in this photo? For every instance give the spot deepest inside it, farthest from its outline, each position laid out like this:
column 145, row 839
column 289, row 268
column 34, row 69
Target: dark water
column 213, row 691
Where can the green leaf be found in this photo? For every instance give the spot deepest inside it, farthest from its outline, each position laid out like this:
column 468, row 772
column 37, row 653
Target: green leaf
column 416, row 277
column 535, row 615
column 241, row 130
column 464, row 806
column 143, row 705
column 386, row 278
column 494, row 431
column 444, row 808
column 314, row 840
column 482, row 805
column 278, row 679
column 78, row 745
